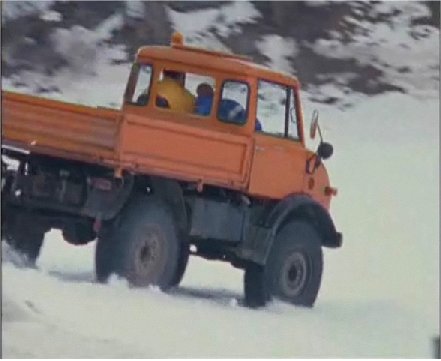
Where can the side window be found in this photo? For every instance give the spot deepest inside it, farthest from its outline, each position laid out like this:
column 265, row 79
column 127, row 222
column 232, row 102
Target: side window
column 293, row 126
column 203, row 88
column 233, row 106
column 185, row 92
column 271, row 108
column 142, row 89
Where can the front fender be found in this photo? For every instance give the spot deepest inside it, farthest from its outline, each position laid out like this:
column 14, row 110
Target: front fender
column 260, row 238
column 301, row 206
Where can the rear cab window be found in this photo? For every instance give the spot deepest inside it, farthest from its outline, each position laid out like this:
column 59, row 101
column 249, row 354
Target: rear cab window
column 185, row 92
column 141, row 92
column 191, row 93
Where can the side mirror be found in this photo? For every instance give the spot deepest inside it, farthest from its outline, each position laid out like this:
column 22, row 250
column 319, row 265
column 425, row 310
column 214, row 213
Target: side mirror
column 325, row 150
column 314, row 124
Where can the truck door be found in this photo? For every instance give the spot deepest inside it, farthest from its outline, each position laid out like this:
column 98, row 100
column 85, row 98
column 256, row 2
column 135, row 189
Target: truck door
column 279, row 155
column 167, row 139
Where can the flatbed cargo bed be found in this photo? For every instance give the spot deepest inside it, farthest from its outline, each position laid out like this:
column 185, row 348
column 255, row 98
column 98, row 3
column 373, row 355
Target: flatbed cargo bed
column 60, row 129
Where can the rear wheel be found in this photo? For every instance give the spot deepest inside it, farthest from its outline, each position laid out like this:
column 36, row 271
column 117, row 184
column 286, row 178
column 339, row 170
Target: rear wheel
column 24, row 236
column 184, row 255
column 105, row 253
column 293, row 270
column 143, row 247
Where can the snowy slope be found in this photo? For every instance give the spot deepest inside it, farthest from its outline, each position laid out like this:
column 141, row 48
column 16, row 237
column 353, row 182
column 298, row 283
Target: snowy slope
column 379, row 296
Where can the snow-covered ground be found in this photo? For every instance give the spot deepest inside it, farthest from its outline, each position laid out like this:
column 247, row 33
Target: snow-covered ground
column 379, row 296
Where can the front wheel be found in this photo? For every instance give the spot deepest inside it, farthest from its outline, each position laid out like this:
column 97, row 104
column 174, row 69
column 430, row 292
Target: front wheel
column 293, row 270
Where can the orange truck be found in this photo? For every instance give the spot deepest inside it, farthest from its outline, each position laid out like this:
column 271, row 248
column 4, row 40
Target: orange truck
column 205, row 157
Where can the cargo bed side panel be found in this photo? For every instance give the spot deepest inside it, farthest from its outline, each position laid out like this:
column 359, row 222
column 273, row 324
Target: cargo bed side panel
column 59, row 129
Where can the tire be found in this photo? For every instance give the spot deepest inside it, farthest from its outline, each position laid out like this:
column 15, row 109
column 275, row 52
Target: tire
column 143, row 247
column 184, row 255
column 256, row 292
column 293, row 270
column 26, row 238
column 105, row 254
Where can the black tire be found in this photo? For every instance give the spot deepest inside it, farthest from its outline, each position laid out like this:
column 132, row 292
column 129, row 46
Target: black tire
column 293, row 270
column 184, row 255
column 143, row 247
column 256, row 291
column 105, row 254
column 26, row 238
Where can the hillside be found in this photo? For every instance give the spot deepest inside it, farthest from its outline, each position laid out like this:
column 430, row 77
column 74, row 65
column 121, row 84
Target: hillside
column 340, row 50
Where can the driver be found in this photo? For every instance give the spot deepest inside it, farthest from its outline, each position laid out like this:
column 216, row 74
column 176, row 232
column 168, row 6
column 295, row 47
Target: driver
column 172, row 94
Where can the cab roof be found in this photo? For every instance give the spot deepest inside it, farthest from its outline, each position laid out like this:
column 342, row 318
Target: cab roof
column 215, row 60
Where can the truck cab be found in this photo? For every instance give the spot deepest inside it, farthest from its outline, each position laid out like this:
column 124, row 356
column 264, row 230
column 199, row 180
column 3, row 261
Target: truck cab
column 259, row 153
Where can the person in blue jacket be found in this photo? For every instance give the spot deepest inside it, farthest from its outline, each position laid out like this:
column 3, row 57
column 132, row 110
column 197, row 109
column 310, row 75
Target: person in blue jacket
column 204, row 99
column 229, row 109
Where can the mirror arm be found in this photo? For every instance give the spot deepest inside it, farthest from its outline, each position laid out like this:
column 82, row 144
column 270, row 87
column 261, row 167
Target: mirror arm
column 320, row 133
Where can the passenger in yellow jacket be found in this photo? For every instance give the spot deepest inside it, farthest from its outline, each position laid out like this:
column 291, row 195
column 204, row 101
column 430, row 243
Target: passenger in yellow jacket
column 172, row 94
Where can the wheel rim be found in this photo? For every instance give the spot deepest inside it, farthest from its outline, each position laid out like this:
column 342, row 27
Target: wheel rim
column 149, row 254
column 294, row 275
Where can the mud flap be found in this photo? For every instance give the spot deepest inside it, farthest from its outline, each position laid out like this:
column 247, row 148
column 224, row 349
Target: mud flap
column 257, row 244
